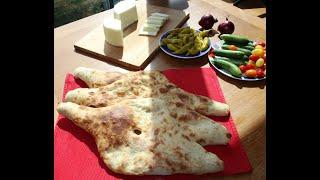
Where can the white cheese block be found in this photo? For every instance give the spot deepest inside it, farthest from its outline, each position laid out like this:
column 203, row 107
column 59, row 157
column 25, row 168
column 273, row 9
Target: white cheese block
column 150, row 27
column 113, row 32
column 126, row 12
column 160, row 15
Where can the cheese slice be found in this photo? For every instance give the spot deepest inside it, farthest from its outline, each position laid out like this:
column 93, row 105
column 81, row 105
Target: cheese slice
column 126, row 12
column 166, row 16
column 156, row 22
column 150, row 27
column 113, row 32
column 154, row 18
column 154, row 25
column 148, row 33
column 158, row 17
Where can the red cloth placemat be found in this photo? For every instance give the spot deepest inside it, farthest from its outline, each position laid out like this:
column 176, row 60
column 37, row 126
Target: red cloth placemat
column 76, row 156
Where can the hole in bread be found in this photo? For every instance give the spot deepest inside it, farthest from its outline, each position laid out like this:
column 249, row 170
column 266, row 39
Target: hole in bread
column 228, row 135
column 137, row 132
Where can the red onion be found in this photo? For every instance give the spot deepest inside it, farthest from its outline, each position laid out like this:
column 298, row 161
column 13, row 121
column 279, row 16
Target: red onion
column 207, row 21
column 227, row 27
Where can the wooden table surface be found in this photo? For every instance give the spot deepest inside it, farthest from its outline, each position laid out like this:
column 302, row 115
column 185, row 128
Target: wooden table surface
column 247, row 100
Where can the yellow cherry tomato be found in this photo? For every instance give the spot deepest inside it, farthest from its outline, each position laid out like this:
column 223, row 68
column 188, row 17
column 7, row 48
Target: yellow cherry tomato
column 233, row 47
column 258, row 52
column 258, row 47
column 259, row 62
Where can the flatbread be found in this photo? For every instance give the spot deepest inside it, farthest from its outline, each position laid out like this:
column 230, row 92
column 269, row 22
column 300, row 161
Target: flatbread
column 96, row 78
column 141, row 137
column 142, row 84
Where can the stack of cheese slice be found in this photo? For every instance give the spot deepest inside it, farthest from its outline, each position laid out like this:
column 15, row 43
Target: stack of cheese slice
column 125, row 14
column 153, row 24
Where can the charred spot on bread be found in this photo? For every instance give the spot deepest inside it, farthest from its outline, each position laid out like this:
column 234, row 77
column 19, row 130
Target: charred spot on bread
column 155, row 145
column 186, row 137
column 136, row 93
column 183, row 97
column 203, row 99
column 168, row 162
column 179, row 153
column 179, row 104
column 87, row 121
column 169, row 86
column 156, row 132
column 183, row 117
column 202, row 109
column 201, row 141
column 120, row 94
column 96, row 125
column 100, row 105
column 163, row 90
column 173, row 114
column 186, row 157
column 195, row 115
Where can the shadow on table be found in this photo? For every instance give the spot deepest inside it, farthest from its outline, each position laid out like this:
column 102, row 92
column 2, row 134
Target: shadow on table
column 251, row 4
column 174, row 4
column 263, row 15
column 248, row 4
column 102, row 58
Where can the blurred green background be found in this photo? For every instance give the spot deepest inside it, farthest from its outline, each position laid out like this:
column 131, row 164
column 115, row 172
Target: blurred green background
column 66, row 11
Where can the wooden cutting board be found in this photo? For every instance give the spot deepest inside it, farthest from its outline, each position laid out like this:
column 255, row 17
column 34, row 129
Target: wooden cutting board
column 137, row 50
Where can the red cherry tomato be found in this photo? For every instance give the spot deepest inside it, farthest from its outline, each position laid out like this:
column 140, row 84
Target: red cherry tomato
column 211, row 53
column 265, row 57
column 263, row 44
column 250, row 66
column 254, row 57
column 243, row 68
column 260, row 73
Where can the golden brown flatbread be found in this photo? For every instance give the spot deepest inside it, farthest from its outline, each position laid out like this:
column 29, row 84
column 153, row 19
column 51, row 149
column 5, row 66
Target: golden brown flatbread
column 141, row 136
